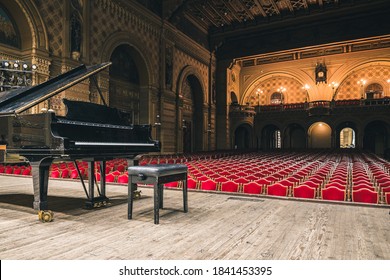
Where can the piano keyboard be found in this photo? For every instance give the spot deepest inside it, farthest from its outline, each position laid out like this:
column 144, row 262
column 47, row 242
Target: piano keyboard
column 81, row 143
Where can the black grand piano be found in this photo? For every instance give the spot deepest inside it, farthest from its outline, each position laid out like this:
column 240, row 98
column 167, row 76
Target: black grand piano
column 89, row 132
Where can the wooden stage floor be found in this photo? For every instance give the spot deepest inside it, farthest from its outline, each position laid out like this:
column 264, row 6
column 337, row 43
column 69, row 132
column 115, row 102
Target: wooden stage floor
column 217, row 227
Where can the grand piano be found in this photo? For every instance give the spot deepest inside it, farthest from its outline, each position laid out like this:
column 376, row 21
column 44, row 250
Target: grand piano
column 89, row 132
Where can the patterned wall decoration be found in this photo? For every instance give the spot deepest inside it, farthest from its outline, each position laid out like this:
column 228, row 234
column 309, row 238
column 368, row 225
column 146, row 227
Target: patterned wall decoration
column 122, row 19
column 293, row 94
column 9, row 33
column 52, row 14
column 351, row 89
column 181, row 60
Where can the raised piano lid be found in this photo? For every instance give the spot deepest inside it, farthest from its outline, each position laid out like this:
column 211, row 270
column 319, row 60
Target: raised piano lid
column 19, row 100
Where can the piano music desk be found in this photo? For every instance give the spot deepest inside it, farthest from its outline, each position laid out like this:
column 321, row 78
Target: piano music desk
column 156, row 175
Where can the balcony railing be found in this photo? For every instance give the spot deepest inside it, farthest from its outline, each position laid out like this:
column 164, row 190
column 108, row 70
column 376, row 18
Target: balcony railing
column 324, row 106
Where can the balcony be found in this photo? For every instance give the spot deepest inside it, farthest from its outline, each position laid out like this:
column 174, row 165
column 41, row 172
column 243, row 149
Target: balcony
column 242, row 110
column 324, row 107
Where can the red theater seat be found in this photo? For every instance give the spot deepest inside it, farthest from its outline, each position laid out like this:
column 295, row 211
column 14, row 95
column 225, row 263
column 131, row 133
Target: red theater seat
column 365, row 196
column 191, row 183
column 333, row 193
column 251, row 177
column 311, row 184
column 74, row 174
column 55, row 174
column 253, row 188
column 17, row 170
column 121, row 168
column 26, row 171
column 277, row 189
column 173, row 185
column 123, row 179
column 336, row 185
column 241, row 181
column 9, row 170
column 229, row 186
column 387, row 197
column 65, row 173
column 110, row 177
column 304, row 191
column 363, row 186
column 209, row 185
column 263, row 182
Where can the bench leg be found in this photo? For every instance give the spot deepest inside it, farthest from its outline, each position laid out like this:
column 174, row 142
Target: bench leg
column 156, row 203
column 185, row 196
column 131, row 188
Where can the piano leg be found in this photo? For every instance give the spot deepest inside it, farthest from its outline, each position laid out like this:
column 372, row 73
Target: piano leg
column 40, row 174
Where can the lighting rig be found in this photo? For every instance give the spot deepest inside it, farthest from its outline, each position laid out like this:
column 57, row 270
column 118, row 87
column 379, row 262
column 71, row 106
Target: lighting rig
column 15, row 74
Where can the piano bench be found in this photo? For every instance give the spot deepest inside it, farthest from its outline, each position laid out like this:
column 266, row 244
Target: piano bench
column 156, row 175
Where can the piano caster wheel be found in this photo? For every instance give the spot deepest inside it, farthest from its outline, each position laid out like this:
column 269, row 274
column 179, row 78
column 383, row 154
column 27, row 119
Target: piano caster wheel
column 45, row 216
column 137, row 194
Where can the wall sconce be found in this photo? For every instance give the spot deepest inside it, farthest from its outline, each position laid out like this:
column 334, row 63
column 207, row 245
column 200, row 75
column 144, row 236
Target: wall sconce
column 306, row 87
column 333, row 85
column 158, row 122
column 15, row 74
column 258, row 92
column 362, row 82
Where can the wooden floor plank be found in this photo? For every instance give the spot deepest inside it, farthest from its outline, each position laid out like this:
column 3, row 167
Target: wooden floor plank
column 217, row 226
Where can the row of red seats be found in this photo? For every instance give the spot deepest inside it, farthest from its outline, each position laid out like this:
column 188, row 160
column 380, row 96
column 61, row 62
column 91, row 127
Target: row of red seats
column 15, row 169
column 324, row 178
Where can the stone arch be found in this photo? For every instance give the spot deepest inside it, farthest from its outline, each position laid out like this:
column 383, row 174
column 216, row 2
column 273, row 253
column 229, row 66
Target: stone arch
column 147, row 77
column 243, row 136
column 269, row 84
column 376, row 137
column 343, row 124
column 294, row 136
column 270, row 136
column 319, row 135
column 349, row 77
column 184, row 73
column 191, row 96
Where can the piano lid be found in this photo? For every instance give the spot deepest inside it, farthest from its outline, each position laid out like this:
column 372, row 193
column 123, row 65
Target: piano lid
column 20, row 100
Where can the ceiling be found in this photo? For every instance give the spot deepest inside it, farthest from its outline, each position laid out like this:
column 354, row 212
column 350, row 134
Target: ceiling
column 214, row 23
column 214, row 14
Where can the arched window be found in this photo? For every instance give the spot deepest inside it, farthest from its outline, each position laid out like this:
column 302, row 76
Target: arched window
column 347, row 138
column 277, row 139
column 276, row 98
column 9, row 33
column 374, row 91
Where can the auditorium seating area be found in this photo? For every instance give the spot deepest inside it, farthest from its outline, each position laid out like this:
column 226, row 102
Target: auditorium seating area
column 317, row 175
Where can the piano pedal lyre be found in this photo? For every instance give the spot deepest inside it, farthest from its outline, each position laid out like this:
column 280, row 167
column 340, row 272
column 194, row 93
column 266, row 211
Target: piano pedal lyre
column 100, row 204
column 45, row 216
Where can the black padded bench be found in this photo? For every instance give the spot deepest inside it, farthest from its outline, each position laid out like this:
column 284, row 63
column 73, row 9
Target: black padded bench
column 156, row 175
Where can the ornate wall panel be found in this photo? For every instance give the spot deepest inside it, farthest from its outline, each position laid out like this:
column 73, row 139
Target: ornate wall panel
column 351, row 89
column 52, row 13
column 293, row 93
